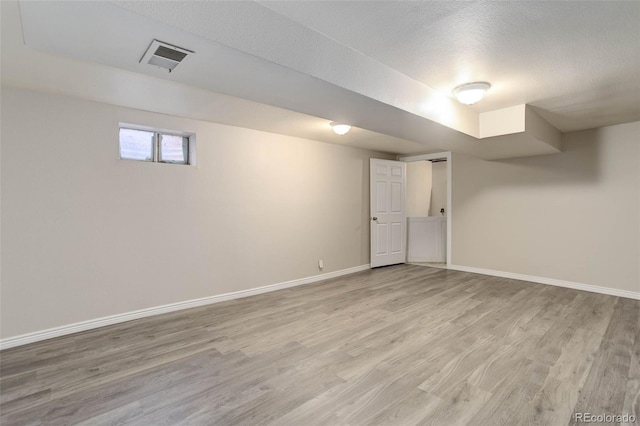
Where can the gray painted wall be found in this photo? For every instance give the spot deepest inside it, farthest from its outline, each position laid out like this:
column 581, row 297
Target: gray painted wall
column 573, row 216
column 86, row 235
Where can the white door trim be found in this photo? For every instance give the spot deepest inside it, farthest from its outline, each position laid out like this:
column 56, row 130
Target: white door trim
column 437, row 156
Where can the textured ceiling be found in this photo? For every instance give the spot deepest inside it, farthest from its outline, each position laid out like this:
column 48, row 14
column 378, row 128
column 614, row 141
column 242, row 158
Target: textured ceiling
column 578, row 62
column 387, row 67
column 30, row 69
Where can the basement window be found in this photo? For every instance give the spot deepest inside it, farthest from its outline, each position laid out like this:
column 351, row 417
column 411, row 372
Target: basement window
column 154, row 145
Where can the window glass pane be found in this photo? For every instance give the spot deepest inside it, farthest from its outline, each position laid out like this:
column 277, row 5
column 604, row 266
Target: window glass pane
column 136, row 145
column 174, row 149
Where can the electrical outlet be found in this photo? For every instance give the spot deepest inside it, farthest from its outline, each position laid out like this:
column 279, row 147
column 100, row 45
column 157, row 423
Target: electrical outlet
column 320, row 264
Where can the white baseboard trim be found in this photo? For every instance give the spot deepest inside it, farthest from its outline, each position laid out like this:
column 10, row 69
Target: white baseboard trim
column 549, row 281
column 50, row 333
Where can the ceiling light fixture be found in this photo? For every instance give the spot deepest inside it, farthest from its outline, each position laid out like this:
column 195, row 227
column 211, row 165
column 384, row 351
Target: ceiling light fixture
column 470, row 93
column 340, row 128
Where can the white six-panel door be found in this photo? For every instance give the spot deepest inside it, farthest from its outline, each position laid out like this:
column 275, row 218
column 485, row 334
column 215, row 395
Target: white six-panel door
column 388, row 212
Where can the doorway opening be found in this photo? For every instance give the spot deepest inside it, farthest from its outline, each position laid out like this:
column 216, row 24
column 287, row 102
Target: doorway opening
column 428, row 200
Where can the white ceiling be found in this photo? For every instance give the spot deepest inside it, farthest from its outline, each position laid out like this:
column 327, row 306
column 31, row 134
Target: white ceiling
column 386, row 67
column 577, row 62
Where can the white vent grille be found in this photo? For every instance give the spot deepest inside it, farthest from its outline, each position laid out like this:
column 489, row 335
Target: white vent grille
column 164, row 55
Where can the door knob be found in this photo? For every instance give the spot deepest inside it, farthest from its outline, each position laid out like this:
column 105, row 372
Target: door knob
column 374, row 218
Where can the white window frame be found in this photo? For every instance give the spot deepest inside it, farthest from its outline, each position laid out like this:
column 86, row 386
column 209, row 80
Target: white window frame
column 157, row 132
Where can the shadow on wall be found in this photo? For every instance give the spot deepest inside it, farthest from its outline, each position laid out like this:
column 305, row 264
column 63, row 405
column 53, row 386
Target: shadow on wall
column 596, row 104
column 572, row 216
column 578, row 164
column 438, row 194
column 365, row 208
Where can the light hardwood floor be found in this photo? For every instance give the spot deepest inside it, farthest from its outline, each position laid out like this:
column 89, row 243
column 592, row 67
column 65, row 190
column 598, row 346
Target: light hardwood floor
column 397, row 345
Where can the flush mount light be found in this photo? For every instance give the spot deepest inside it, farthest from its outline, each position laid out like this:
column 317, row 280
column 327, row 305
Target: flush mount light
column 471, row 93
column 340, row 128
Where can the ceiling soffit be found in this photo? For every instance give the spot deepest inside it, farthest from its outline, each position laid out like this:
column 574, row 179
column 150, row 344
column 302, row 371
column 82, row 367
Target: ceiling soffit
column 329, row 81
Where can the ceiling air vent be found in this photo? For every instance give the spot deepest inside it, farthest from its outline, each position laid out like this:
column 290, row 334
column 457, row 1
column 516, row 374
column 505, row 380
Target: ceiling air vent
column 163, row 55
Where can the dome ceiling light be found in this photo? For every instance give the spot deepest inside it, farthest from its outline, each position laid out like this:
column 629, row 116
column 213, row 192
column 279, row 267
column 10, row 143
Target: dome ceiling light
column 340, row 128
column 470, row 93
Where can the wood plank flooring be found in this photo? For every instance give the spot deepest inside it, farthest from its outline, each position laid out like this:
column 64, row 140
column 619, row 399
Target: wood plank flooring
column 401, row 345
